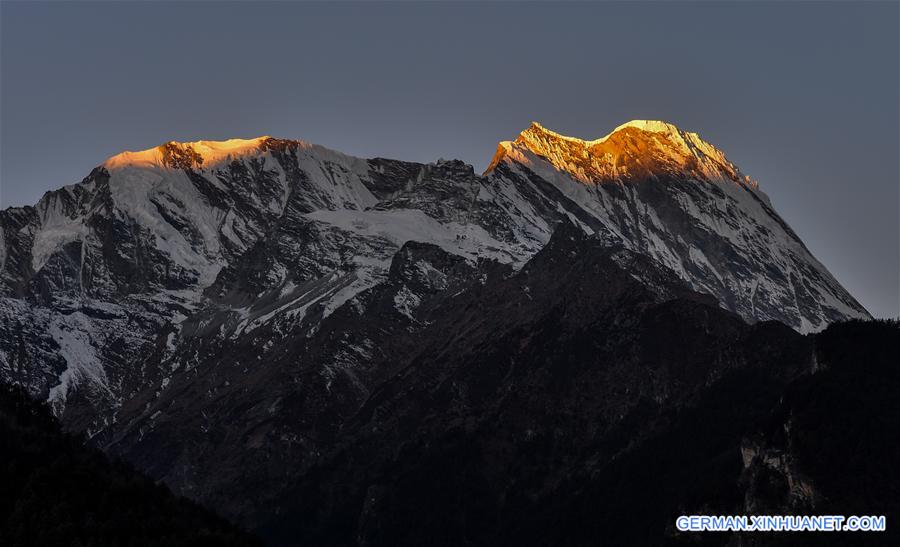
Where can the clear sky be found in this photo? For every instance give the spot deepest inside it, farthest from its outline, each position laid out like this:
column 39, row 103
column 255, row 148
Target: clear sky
column 803, row 96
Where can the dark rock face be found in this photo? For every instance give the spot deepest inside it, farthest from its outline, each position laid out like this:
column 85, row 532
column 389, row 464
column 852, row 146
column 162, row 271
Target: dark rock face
column 507, row 426
column 828, row 445
column 265, row 411
column 56, row 491
column 588, row 423
column 270, row 327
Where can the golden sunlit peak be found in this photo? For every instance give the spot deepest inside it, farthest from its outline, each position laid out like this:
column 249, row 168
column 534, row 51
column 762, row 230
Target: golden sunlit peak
column 226, row 146
column 651, row 126
column 636, row 150
column 205, row 153
column 654, row 126
column 536, row 127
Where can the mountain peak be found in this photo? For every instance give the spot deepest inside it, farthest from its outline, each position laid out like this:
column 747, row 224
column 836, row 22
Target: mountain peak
column 185, row 154
column 636, row 150
column 647, row 126
column 652, row 126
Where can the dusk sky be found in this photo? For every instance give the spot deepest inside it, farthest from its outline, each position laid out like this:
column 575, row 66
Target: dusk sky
column 802, row 96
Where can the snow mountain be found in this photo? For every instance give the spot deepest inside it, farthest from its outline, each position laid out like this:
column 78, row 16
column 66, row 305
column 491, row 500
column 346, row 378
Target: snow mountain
column 670, row 195
column 201, row 307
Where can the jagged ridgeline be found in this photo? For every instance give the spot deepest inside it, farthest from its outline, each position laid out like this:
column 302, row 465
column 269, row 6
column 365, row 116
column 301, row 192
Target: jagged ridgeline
column 220, row 312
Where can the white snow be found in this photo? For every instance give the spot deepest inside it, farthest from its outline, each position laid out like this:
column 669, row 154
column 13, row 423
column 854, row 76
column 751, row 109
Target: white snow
column 401, row 225
column 214, row 153
column 146, row 194
column 744, row 218
column 73, row 334
column 406, row 302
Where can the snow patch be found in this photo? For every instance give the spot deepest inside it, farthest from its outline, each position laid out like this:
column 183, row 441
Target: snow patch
column 406, row 302
column 73, row 334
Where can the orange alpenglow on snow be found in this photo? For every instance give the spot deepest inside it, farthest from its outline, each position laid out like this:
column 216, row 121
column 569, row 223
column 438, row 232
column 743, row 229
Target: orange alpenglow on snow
column 200, row 153
column 634, row 151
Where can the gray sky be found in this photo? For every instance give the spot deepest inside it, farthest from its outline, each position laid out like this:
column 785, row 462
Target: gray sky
column 802, row 96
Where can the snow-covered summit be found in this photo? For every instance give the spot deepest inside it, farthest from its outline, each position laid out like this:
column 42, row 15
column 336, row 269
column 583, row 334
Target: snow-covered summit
column 635, row 150
column 669, row 194
column 203, row 153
